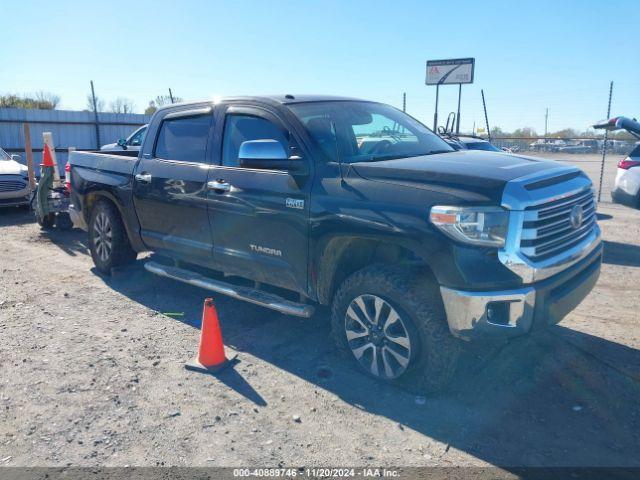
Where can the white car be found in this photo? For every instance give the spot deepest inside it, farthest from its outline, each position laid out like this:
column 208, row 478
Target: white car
column 131, row 143
column 627, row 185
column 14, row 181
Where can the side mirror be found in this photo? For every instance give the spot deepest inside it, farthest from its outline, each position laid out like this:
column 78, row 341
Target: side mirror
column 15, row 158
column 268, row 155
column 122, row 143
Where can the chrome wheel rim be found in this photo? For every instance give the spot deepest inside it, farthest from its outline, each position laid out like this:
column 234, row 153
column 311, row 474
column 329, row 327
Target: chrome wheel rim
column 102, row 236
column 378, row 336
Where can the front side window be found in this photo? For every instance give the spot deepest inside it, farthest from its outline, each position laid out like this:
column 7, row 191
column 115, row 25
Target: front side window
column 4, row 155
column 242, row 128
column 184, row 139
column 366, row 131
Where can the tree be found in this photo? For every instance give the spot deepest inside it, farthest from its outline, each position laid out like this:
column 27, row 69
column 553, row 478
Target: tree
column 99, row 104
column 166, row 100
column 565, row 133
column 160, row 101
column 526, row 132
column 122, row 105
column 498, row 132
column 151, row 109
column 40, row 100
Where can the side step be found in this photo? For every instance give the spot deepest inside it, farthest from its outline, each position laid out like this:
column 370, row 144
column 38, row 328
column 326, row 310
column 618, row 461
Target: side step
column 268, row 300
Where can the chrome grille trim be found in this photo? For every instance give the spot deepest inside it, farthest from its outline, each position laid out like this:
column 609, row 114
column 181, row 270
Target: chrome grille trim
column 538, row 241
column 12, row 185
column 541, row 241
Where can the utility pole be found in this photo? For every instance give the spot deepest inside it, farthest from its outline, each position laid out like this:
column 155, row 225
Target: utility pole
column 604, row 145
column 486, row 118
column 546, row 119
column 171, row 95
column 404, row 102
column 458, row 116
column 435, row 113
column 95, row 115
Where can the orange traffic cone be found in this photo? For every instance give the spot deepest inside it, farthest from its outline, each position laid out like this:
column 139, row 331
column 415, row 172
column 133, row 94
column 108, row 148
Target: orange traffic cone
column 211, row 356
column 47, row 159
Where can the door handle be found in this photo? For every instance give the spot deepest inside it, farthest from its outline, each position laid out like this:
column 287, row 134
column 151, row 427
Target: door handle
column 143, row 177
column 219, row 186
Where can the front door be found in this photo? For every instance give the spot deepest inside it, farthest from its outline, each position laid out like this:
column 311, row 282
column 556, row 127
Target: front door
column 170, row 187
column 260, row 218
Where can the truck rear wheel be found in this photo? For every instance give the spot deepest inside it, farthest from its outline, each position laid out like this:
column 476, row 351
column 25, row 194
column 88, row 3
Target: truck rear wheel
column 108, row 239
column 391, row 322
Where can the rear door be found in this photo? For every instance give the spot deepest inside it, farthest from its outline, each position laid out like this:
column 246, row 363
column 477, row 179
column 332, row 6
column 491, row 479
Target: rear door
column 170, row 185
column 260, row 217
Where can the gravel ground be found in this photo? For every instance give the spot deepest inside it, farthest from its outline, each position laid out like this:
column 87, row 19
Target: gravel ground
column 91, row 373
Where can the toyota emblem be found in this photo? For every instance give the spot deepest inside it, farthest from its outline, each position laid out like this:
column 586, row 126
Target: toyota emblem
column 575, row 217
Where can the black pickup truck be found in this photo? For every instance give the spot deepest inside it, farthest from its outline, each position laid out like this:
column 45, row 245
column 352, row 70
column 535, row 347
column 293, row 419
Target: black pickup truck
column 291, row 202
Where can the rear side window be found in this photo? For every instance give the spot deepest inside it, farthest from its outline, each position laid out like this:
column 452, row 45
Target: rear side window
column 184, row 139
column 242, row 128
column 635, row 152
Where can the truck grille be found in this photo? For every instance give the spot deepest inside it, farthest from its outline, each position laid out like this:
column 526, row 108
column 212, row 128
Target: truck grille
column 12, row 185
column 553, row 227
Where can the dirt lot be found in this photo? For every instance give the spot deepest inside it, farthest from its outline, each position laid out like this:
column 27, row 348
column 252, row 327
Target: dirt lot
column 91, row 372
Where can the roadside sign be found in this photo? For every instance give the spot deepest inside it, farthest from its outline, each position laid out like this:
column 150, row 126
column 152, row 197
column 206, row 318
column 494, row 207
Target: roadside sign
column 452, row 71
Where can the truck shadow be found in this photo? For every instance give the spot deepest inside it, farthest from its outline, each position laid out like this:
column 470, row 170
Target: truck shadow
column 15, row 216
column 625, row 254
column 558, row 398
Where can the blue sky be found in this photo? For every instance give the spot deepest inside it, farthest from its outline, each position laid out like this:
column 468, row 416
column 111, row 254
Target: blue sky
column 530, row 56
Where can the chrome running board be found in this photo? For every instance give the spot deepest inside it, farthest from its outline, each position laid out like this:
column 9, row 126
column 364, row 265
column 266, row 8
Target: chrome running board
column 264, row 299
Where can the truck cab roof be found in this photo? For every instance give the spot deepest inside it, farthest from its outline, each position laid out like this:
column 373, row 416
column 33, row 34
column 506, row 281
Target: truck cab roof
column 282, row 99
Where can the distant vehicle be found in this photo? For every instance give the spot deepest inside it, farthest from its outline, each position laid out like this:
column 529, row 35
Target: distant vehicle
column 626, row 190
column 14, row 181
column 131, row 143
column 579, row 146
column 542, row 145
column 627, row 185
column 469, row 142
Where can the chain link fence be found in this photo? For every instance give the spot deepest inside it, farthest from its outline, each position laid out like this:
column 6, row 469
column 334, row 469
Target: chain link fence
column 585, row 153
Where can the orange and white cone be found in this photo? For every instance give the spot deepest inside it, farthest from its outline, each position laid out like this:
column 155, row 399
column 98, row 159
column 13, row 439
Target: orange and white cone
column 211, row 357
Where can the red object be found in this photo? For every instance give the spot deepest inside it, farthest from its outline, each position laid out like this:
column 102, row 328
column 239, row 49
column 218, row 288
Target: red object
column 67, row 177
column 47, row 159
column 211, row 351
column 627, row 163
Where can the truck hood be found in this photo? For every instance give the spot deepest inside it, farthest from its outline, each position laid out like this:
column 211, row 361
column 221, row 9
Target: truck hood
column 458, row 173
column 11, row 167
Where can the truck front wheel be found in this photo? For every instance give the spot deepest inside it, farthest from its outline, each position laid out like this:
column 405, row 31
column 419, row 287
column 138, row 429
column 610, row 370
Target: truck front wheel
column 391, row 322
column 108, row 239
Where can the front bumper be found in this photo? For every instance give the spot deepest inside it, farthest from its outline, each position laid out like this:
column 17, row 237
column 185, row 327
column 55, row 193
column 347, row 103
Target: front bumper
column 15, row 197
column 510, row 313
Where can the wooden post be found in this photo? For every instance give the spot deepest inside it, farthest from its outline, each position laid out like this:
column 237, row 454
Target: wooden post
column 29, row 153
column 47, row 138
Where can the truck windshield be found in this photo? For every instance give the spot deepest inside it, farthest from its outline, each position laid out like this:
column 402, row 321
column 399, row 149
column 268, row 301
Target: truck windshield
column 4, row 155
column 366, row 131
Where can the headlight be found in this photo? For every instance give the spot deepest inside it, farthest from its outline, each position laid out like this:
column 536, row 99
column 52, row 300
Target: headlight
column 485, row 226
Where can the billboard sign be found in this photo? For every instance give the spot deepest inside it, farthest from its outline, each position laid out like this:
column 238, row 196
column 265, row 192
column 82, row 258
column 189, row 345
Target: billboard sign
column 447, row 72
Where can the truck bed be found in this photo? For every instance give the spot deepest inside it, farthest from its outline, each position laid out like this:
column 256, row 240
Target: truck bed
column 104, row 162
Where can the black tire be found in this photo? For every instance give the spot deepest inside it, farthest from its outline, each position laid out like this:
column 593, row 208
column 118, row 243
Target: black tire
column 47, row 222
column 108, row 240
column 434, row 352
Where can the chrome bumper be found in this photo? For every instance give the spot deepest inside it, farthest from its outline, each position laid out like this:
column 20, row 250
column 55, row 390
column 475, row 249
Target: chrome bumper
column 472, row 314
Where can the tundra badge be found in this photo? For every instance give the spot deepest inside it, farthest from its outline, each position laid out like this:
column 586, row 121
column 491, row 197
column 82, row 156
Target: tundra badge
column 295, row 203
column 269, row 251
